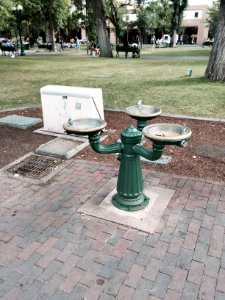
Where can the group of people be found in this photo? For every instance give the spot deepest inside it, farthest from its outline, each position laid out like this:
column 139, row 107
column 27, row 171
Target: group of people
column 94, row 49
column 74, row 43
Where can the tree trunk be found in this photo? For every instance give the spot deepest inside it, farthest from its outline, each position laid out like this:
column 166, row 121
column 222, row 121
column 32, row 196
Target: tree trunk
column 51, row 34
column 101, row 29
column 175, row 22
column 216, row 65
column 178, row 9
column 174, row 38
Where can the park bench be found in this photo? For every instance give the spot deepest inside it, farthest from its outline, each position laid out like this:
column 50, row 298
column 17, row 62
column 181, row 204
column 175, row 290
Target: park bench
column 161, row 45
column 207, row 44
column 92, row 50
column 5, row 47
column 45, row 46
column 134, row 48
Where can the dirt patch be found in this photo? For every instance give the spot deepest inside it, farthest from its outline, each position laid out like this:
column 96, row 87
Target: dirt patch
column 204, row 157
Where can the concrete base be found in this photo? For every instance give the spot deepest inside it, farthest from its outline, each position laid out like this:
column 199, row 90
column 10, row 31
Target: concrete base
column 164, row 160
column 61, row 135
column 19, row 121
column 146, row 220
column 62, row 148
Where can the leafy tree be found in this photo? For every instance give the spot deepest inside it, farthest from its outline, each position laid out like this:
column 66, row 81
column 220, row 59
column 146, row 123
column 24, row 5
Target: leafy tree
column 147, row 19
column 54, row 13
column 164, row 16
column 5, row 14
column 94, row 21
column 88, row 20
column 213, row 17
column 115, row 11
column 216, row 65
column 101, row 29
column 72, row 22
column 156, row 15
column 46, row 15
column 178, row 7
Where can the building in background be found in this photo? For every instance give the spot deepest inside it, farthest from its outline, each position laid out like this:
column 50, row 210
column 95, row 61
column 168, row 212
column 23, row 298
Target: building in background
column 195, row 27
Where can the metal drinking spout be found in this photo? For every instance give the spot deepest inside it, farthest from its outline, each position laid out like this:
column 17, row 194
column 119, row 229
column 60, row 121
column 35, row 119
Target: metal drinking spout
column 139, row 104
column 183, row 144
column 70, row 121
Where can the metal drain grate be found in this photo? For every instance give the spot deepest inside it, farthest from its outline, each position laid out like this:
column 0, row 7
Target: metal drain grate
column 35, row 166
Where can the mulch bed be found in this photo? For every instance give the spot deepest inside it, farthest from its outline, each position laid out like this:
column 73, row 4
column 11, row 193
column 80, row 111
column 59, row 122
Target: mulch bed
column 204, row 156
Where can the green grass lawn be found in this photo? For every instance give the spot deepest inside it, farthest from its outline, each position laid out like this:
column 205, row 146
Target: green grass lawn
column 160, row 82
column 177, row 51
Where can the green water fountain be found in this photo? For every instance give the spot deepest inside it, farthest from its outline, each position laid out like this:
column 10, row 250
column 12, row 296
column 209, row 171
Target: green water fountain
column 130, row 189
column 143, row 113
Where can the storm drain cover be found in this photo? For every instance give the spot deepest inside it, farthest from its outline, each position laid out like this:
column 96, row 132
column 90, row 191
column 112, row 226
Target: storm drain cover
column 35, row 166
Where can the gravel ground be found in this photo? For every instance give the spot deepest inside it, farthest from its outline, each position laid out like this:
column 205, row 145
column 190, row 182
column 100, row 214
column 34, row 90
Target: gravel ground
column 204, row 156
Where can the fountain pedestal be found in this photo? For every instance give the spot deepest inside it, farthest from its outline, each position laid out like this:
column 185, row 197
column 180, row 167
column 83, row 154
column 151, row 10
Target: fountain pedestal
column 130, row 194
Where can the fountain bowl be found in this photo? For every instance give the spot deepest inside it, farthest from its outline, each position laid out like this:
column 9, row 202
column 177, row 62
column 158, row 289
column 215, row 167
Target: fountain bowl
column 141, row 111
column 167, row 132
column 84, row 126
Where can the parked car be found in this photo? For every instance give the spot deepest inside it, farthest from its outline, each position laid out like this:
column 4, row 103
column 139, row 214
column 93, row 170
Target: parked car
column 208, row 43
column 165, row 39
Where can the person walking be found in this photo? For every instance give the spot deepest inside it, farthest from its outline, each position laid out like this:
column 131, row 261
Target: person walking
column 77, row 42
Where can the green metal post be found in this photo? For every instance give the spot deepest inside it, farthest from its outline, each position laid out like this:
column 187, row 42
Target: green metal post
column 130, row 182
column 141, row 123
column 94, row 140
column 129, row 196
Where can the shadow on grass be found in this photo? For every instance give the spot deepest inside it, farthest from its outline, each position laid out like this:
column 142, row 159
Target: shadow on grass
column 183, row 81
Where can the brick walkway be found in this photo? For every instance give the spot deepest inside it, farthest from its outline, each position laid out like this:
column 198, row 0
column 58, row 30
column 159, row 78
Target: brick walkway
column 49, row 251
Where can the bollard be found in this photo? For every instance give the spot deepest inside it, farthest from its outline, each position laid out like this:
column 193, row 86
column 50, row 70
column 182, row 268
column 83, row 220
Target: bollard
column 189, row 72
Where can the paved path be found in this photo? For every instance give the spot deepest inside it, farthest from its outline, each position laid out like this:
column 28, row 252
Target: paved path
column 83, row 54
column 144, row 56
column 49, row 251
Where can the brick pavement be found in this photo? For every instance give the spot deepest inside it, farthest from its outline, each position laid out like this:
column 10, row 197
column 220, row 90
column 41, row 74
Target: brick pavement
column 49, row 251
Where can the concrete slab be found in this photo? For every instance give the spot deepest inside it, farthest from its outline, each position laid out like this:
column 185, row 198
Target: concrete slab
column 63, row 148
column 19, row 121
column 62, row 135
column 145, row 220
column 164, row 160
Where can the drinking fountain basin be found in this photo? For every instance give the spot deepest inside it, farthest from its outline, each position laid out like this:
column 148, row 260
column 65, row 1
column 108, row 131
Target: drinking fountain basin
column 167, row 133
column 143, row 111
column 84, row 126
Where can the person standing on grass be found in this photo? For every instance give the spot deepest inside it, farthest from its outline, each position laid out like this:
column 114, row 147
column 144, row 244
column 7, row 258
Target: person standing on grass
column 61, row 45
column 153, row 40
column 77, row 44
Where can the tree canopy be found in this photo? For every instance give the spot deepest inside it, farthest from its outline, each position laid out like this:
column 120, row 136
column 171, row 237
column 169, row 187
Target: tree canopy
column 162, row 15
column 5, row 14
column 213, row 18
column 114, row 12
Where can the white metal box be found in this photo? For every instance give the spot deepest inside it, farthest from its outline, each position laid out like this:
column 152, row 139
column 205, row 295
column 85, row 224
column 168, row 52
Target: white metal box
column 59, row 103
